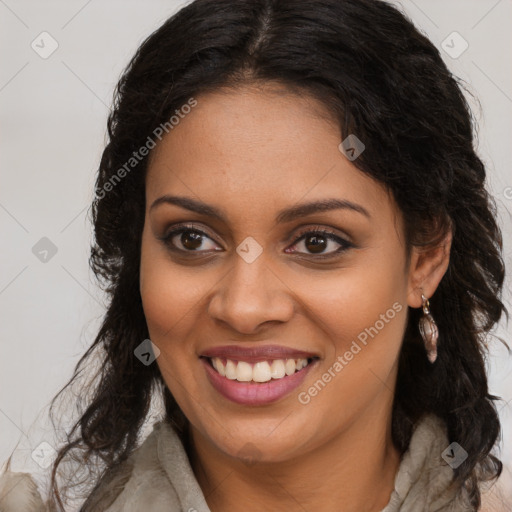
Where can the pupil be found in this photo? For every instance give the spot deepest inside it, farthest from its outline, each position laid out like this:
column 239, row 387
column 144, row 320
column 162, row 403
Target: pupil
column 318, row 244
column 191, row 240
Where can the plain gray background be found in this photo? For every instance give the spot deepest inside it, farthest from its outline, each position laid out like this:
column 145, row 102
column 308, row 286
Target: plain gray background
column 53, row 124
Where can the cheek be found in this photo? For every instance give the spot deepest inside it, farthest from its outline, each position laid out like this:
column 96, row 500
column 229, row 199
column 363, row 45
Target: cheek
column 169, row 295
column 169, row 292
column 358, row 301
column 362, row 313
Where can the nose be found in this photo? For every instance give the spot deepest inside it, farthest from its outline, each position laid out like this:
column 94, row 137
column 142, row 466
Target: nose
column 250, row 295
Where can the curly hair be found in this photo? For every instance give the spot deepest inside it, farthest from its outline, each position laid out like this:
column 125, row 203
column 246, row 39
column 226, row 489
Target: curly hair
column 386, row 82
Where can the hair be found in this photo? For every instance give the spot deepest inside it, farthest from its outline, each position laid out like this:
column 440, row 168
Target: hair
column 383, row 81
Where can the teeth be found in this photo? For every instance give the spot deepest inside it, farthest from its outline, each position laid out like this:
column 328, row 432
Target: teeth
column 277, row 369
column 261, row 372
column 290, row 366
column 300, row 363
column 217, row 364
column 243, row 372
column 258, row 372
column 230, row 370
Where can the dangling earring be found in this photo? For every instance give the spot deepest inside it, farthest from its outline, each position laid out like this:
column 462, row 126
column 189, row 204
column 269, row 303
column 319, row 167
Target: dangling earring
column 428, row 330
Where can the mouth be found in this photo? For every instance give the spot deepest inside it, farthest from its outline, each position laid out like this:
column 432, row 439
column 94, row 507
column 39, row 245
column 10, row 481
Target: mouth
column 258, row 375
column 258, row 372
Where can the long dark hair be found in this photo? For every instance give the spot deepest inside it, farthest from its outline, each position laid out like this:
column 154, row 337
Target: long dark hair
column 388, row 84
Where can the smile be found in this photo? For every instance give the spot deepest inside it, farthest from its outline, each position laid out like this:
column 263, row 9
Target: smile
column 256, row 375
column 262, row 371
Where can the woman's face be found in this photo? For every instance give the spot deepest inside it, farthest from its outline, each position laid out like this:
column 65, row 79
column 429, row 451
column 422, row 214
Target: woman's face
column 254, row 292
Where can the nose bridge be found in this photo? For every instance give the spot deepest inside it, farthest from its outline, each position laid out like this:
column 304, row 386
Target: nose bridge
column 250, row 294
column 250, row 277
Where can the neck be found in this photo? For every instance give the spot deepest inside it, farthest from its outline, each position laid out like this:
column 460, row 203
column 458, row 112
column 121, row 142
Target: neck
column 356, row 468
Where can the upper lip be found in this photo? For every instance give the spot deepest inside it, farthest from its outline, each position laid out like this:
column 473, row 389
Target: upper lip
column 255, row 354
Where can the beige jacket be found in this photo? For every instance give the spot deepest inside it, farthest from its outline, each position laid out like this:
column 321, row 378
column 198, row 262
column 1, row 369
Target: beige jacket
column 158, row 477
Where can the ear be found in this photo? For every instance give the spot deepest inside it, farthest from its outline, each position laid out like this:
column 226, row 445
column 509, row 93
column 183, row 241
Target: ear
column 426, row 269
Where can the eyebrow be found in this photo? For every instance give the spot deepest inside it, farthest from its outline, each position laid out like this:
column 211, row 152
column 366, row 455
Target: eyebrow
column 286, row 215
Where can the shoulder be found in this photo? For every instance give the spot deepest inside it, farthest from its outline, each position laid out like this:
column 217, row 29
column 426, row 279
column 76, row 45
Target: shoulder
column 138, row 483
column 19, row 493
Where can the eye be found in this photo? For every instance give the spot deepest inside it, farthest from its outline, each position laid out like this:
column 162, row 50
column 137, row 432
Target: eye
column 190, row 238
column 315, row 240
column 318, row 239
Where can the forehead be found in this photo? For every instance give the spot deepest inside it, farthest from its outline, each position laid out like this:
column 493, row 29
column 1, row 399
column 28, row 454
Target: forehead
column 257, row 149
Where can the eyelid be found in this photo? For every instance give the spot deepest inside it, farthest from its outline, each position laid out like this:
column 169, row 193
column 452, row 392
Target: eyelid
column 177, row 229
column 328, row 233
column 295, row 238
column 322, row 229
column 184, row 226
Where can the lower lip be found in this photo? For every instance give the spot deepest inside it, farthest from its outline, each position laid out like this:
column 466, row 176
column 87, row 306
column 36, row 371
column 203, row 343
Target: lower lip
column 255, row 393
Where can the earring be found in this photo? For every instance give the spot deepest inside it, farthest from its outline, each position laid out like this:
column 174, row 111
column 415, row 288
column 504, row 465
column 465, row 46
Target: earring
column 428, row 330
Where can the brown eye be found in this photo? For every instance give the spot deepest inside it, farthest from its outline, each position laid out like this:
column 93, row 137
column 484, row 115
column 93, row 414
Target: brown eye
column 317, row 241
column 185, row 239
column 191, row 240
column 320, row 242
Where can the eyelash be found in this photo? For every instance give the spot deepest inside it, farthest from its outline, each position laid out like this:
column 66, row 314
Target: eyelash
column 317, row 230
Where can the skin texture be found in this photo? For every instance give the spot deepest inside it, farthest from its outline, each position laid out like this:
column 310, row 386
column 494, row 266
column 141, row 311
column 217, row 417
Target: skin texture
column 251, row 152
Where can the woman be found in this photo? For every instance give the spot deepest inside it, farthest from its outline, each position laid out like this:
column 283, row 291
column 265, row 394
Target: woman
column 302, row 261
